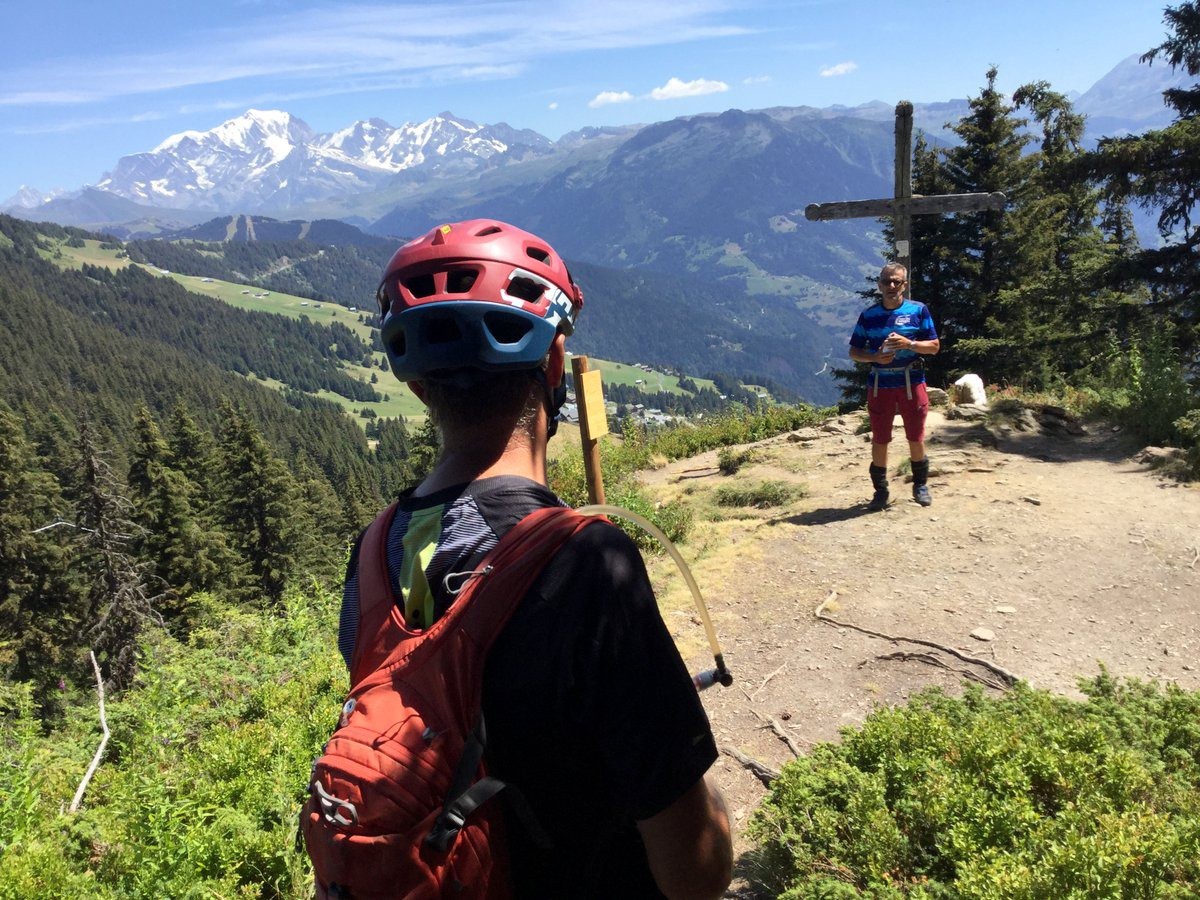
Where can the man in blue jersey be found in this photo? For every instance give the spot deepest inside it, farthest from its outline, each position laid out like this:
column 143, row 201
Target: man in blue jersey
column 894, row 335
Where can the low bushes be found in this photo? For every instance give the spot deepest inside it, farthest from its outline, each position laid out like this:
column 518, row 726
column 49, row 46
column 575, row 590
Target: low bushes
column 1028, row 796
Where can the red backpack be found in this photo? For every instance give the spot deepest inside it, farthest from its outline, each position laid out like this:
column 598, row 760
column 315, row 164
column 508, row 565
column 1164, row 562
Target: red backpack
column 394, row 807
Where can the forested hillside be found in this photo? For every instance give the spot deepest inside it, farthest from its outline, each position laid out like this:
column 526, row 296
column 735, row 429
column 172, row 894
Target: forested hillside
column 133, row 449
column 344, row 274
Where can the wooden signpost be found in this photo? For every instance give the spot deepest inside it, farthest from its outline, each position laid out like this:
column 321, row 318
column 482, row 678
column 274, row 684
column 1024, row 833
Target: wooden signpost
column 593, row 423
column 904, row 205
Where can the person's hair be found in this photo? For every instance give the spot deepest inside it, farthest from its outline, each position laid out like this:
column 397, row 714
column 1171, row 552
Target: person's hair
column 501, row 402
column 894, row 267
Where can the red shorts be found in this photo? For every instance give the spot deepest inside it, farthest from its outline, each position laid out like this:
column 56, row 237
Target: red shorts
column 889, row 401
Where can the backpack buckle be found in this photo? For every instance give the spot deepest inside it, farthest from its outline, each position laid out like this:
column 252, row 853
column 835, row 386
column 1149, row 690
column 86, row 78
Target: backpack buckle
column 445, row 830
column 332, row 807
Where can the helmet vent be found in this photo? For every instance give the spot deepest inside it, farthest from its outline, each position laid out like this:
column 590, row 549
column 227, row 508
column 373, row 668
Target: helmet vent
column 538, row 253
column 459, row 281
column 491, row 229
column 505, row 328
column 441, row 330
column 526, row 289
column 420, row 285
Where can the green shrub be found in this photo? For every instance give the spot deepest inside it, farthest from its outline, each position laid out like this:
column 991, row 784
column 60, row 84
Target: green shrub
column 763, row 495
column 1029, row 796
column 201, row 785
column 619, row 463
column 1144, row 388
column 1188, row 428
column 739, row 427
column 729, row 461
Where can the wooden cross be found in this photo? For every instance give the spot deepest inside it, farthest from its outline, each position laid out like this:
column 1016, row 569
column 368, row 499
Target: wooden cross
column 904, row 205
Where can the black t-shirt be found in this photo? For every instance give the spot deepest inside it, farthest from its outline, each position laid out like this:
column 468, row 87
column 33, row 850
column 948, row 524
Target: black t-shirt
column 590, row 711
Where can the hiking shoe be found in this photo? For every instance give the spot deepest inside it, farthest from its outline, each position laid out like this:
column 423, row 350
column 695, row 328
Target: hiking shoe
column 921, row 495
column 879, row 502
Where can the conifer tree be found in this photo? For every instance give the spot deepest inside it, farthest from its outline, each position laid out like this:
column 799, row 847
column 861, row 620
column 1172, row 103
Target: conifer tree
column 183, row 556
column 1049, row 321
column 979, row 251
column 39, row 608
column 392, row 454
column 1161, row 170
column 119, row 603
column 258, row 504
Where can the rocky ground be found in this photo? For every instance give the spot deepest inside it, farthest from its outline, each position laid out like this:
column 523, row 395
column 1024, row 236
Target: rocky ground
column 1049, row 551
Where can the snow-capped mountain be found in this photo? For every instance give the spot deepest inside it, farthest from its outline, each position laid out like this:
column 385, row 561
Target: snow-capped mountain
column 28, row 197
column 268, row 159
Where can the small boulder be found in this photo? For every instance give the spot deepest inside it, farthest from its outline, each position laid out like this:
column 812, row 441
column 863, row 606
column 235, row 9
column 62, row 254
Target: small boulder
column 967, row 411
column 1157, row 456
column 969, row 389
column 983, row 634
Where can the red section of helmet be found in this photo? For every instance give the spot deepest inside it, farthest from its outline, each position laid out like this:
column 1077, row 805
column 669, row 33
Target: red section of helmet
column 428, row 269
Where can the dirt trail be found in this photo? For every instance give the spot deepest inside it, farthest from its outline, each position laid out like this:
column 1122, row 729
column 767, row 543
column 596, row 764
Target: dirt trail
column 1070, row 553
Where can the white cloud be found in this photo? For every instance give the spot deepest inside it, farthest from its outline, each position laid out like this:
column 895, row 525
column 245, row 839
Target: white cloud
column 553, row 105
column 675, row 88
column 606, row 98
column 756, row 79
column 843, row 68
column 338, row 48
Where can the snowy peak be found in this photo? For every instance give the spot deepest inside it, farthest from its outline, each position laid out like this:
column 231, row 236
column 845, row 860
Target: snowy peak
column 267, row 159
column 27, row 197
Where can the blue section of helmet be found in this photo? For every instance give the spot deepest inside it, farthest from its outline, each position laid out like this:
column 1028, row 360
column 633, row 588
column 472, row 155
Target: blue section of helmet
column 412, row 354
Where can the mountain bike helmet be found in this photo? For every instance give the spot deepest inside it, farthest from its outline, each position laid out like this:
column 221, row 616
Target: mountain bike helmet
column 480, row 295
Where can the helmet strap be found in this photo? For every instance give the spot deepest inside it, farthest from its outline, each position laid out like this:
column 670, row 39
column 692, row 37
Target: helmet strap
column 554, row 400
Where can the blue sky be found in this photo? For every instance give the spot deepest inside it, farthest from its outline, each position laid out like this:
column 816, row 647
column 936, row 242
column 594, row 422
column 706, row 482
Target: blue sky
column 82, row 84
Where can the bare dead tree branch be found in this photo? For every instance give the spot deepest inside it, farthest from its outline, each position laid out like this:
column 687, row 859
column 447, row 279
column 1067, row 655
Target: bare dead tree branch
column 103, row 742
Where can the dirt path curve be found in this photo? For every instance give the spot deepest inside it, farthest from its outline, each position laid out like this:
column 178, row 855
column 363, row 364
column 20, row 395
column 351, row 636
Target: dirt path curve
column 1068, row 552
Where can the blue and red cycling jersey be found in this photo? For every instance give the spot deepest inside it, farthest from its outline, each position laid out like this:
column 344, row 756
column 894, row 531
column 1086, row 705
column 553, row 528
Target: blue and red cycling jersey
column 911, row 319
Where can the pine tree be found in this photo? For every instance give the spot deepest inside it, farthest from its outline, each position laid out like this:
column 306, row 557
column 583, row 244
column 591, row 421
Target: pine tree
column 392, row 454
column 258, row 504
column 1161, row 170
column 424, row 450
column 1049, row 322
column 119, row 603
column 977, row 250
column 184, row 556
column 39, row 593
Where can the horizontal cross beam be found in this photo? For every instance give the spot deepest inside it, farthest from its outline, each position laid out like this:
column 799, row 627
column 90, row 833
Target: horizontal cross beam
column 904, row 206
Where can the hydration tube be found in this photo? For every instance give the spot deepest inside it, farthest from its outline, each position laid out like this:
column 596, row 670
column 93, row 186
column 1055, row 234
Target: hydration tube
column 704, row 679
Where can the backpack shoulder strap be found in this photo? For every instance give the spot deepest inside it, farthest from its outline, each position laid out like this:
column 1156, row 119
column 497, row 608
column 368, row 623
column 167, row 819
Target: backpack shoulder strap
column 484, row 605
column 509, row 570
column 375, row 595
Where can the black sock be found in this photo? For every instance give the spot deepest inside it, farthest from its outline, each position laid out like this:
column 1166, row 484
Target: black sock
column 879, row 477
column 920, row 472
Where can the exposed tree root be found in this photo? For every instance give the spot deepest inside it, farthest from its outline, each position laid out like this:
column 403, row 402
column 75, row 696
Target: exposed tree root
column 941, row 664
column 1006, row 676
column 763, row 773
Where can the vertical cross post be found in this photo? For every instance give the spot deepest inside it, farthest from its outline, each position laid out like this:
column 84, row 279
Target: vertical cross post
column 902, row 221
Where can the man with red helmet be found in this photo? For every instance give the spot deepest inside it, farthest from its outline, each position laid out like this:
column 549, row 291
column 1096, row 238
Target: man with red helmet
column 590, row 711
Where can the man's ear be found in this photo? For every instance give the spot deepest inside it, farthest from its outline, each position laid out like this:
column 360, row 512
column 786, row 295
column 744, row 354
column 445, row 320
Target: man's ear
column 418, row 389
column 556, row 364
